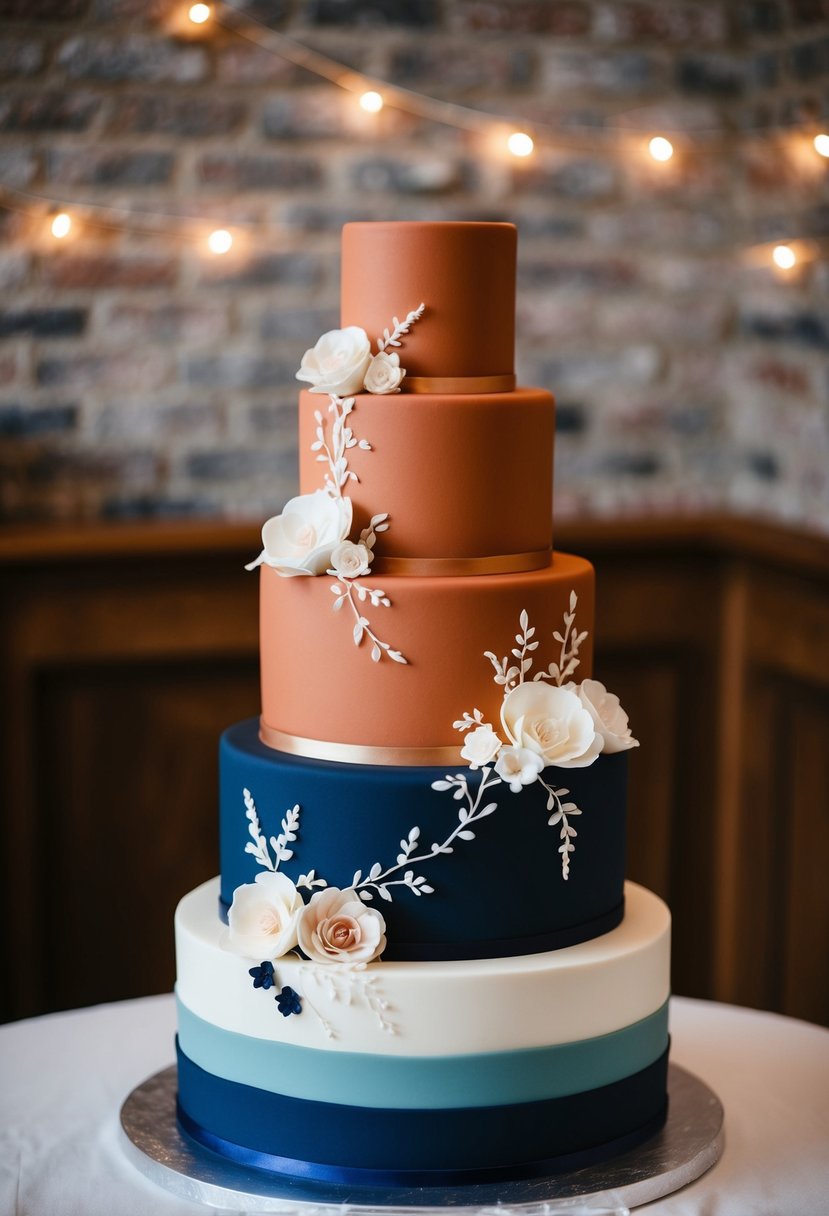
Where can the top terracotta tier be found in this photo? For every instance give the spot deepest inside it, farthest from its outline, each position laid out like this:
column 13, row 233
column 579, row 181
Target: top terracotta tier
column 465, row 275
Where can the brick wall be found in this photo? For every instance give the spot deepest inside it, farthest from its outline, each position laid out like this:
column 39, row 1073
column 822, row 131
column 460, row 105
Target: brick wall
column 140, row 375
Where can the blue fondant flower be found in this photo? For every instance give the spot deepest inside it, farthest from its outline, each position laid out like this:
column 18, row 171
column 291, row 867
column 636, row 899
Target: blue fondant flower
column 288, row 1002
column 263, row 976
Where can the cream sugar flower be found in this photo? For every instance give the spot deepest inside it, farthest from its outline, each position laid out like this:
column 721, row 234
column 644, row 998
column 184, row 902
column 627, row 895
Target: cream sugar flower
column 350, row 560
column 609, row 719
column 263, row 917
column 481, row 746
column 302, row 539
column 338, row 363
column 337, row 927
column 384, row 374
column 553, row 723
column 518, row 766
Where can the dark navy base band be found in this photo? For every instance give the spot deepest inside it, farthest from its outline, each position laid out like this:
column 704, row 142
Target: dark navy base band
column 370, row 1146
column 312, row 1172
column 450, row 952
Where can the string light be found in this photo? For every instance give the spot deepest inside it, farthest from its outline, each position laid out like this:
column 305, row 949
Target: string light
column 61, row 225
column 220, row 241
column 371, row 101
column 661, row 148
column 784, row 256
column 520, row 144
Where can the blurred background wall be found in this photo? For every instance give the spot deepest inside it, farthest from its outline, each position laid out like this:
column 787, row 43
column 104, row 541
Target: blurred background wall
column 143, row 376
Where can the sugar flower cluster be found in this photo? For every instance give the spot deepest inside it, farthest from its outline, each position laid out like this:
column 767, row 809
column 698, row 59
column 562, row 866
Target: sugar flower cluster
column 565, row 727
column 341, row 362
column 268, row 919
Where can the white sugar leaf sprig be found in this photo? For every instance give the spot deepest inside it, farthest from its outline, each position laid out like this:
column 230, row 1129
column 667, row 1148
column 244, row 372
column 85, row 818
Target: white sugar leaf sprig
column 287, row 836
column 470, row 721
column 510, row 674
column 560, row 812
column 570, row 642
column 258, row 845
column 400, row 328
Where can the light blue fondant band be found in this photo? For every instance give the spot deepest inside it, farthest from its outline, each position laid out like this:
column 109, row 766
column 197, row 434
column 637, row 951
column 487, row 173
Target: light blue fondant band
column 445, row 1082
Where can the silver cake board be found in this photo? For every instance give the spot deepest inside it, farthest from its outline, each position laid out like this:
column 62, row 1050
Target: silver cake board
column 689, row 1144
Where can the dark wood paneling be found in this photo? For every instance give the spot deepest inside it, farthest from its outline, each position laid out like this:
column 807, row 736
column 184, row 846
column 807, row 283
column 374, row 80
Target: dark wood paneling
column 125, row 651
column 127, row 809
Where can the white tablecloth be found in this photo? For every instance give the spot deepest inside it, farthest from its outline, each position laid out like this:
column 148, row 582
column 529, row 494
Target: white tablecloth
column 63, row 1079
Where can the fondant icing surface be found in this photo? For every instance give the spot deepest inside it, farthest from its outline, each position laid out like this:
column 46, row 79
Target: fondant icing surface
column 437, row 1009
column 316, row 684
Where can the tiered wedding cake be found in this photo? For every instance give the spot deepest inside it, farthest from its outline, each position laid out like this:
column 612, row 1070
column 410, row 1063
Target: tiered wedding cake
column 421, row 963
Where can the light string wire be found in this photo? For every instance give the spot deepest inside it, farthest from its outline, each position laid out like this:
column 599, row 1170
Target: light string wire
column 417, row 104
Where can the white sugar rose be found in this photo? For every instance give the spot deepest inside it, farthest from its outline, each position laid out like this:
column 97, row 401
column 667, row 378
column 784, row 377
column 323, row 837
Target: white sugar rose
column 338, row 362
column 518, row 766
column 609, row 719
column 263, row 917
column 337, row 927
column 480, row 746
column 302, row 539
column 384, row 374
column 349, row 560
column 552, row 722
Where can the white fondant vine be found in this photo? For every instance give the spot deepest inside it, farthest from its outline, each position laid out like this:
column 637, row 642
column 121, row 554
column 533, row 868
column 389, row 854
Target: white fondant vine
column 348, row 590
column 333, row 449
column 344, row 985
column 379, row 879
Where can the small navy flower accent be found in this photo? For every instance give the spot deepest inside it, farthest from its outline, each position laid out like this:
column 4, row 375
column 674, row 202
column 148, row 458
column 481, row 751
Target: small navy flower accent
column 263, row 976
column 288, row 1002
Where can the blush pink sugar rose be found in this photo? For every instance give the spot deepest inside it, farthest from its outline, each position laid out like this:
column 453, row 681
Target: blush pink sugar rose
column 337, row 927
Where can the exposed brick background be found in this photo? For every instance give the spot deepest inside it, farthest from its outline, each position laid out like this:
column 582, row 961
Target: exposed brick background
column 141, row 375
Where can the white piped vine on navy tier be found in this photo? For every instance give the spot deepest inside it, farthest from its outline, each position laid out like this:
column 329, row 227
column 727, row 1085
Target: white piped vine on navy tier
column 310, row 536
column 550, row 723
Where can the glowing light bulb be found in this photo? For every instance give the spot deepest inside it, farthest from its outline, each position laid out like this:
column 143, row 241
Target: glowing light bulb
column 199, row 13
column 784, row 256
column 520, row 144
column 61, row 225
column 220, row 241
column 821, row 143
column 661, row 148
column 371, row 101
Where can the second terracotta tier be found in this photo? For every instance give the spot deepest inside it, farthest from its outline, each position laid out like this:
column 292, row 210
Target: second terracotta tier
column 321, row 691
column 460, row 476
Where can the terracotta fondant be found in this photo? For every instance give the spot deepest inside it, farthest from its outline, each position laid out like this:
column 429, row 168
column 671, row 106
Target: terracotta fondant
column 465, row 275
column 459, row 476
column 317, row 684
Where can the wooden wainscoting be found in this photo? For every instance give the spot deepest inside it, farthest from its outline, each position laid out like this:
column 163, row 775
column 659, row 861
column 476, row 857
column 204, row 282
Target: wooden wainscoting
column 126, row 650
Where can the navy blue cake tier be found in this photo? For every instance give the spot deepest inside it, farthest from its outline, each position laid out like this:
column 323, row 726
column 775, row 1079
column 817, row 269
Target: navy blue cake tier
column 355, row 817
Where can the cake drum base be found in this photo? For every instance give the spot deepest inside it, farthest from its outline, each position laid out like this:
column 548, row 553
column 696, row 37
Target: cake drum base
column 689, row 1144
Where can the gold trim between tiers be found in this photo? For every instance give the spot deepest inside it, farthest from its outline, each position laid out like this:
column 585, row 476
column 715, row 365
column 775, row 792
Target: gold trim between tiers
column 459, row 384
column 448, row 567
column 356, row 753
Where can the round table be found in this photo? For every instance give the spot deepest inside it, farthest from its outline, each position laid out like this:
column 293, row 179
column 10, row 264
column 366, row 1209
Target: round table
column 65, row 1076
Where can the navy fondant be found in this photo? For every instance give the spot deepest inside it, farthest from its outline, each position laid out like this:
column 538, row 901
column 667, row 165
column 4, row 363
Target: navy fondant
column 416, row 1147
column 497, row 895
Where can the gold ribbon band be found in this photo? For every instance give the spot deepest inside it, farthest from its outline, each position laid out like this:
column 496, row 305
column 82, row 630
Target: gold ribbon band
column 459, row 384
column 449, row 567
column 356, row 753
